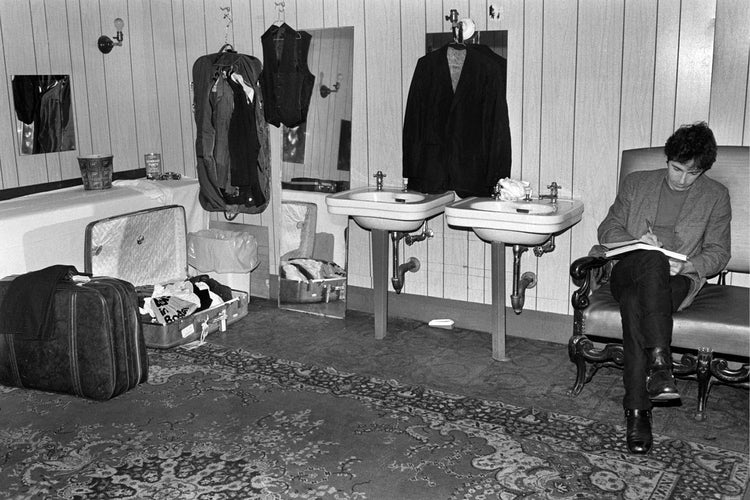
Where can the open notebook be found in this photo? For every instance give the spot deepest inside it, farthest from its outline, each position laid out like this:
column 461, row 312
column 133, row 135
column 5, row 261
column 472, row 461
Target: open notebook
column 614, row 249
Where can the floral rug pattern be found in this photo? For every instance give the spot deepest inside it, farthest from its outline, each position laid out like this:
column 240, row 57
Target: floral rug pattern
column 221, row 423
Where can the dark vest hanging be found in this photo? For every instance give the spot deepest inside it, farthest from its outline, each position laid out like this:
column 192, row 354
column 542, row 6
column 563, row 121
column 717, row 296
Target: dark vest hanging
column 286, row 81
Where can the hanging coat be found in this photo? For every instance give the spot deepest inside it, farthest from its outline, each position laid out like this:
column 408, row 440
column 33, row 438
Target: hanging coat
column 232, row 144
column 457, row 140
column 286, row 80
column 45, row 101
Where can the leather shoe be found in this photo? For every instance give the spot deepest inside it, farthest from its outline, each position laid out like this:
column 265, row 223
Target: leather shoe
column 661, row 386
column 638, row 435
column 660, row 383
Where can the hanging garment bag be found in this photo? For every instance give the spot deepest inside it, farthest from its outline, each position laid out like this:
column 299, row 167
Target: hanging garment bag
column 232, row 144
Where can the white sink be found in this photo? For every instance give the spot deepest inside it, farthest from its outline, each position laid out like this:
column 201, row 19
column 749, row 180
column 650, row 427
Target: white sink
column 514, row 222
column 389, row 209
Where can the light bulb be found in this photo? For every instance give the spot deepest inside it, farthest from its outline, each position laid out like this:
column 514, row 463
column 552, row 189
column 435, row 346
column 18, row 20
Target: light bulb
column 119, row 24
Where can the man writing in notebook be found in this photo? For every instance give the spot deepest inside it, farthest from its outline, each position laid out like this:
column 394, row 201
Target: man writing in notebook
column 680, row 209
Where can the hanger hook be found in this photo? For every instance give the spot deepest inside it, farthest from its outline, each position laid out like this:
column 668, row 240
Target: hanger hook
column 227, row 14
column 280, row 12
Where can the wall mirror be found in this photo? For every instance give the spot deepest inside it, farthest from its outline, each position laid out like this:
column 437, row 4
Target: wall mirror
column 43, row 112
column 315, row 163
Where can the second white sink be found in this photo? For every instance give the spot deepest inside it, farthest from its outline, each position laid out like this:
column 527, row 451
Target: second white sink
column 514, row 222
column 388, row 209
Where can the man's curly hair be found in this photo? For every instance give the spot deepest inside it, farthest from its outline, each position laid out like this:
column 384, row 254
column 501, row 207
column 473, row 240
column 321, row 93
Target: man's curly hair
column 692, row 141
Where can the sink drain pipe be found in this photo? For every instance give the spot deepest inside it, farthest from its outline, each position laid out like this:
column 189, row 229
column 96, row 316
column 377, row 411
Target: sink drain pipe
column 520, row 284
column 527, row 279
column 412, row 265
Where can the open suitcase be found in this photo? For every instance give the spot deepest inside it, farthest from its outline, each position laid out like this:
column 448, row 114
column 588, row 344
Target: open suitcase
column 307, row 287
column 96, row 350
column 149, row 247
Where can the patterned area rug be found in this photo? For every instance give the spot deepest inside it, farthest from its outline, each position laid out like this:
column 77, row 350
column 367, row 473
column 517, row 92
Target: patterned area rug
column 221, row 423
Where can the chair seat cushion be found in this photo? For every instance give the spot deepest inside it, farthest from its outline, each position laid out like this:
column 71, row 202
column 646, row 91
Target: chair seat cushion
column 719, row 319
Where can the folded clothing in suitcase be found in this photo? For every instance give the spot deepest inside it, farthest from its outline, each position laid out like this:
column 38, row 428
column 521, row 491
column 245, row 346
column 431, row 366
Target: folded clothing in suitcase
column 94, row 350
column 149, row 247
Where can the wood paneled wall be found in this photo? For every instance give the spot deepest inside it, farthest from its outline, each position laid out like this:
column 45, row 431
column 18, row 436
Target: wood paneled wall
column 586, row 79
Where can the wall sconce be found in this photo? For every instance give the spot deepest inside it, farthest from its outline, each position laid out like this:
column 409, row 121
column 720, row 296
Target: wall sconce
column 106, row 44
column 325, row 90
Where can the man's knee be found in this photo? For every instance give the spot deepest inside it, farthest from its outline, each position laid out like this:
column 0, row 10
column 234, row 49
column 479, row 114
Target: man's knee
column 655, row 262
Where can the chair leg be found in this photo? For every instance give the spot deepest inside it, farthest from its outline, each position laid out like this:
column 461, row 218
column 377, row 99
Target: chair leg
column 703, row 377
column 576, row 357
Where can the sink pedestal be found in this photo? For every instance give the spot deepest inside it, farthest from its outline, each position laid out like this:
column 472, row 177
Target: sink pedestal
column 498, row 302
column 379, row 242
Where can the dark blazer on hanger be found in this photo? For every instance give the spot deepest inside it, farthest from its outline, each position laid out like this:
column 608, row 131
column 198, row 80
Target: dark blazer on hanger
column 286, row 81
column 457, row 140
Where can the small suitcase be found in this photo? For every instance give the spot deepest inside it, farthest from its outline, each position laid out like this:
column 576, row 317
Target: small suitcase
column 96, row 350
column 149, row 247
column 309, row 288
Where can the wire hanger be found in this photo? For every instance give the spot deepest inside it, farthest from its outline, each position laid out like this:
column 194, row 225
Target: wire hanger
column 280, row 12
column 281, row 21
column 227, row 13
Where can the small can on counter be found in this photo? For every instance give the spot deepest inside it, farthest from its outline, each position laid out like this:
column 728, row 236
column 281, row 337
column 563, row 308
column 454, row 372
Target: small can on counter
column 153, row 165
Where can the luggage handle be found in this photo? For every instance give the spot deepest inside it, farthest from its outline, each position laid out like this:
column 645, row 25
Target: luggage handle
column 78, row 278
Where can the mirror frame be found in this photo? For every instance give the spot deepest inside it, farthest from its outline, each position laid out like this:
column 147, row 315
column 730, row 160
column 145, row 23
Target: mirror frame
column 307, row 186
column 31, row 104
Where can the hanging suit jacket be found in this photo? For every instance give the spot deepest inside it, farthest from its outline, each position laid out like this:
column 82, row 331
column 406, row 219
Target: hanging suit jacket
column 232, row 143
column 286, row 80
column 457, row 140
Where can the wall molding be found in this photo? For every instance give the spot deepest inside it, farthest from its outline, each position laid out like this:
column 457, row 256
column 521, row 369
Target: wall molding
column 10, row 193
column 537, row 325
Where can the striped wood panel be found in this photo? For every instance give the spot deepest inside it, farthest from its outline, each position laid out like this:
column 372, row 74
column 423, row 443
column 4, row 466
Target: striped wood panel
column 586, row 79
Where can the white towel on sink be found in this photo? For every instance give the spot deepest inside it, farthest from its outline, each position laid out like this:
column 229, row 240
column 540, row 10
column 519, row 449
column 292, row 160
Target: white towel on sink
column 513, row 190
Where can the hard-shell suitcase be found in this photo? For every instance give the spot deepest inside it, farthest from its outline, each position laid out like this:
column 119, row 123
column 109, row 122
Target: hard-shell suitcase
column 308, row 288
column 96, row 350
column 149, row 247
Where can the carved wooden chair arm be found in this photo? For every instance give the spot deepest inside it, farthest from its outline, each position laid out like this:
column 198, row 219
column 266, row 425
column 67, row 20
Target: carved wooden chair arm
column 588, row 273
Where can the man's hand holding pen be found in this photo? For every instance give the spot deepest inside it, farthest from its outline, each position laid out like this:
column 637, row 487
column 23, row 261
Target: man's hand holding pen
column 675, row 266
column 649, row 236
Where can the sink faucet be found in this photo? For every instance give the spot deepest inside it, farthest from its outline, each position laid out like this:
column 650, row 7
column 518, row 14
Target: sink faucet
column 552, row 192
column 496, row 191
column 379, row 180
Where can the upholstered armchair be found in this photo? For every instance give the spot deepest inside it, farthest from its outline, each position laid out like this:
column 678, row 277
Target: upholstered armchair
column 711, row 338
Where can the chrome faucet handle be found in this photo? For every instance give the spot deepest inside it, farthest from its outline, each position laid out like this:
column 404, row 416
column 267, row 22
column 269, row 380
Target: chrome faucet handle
column 553, row 188
column 379, row 179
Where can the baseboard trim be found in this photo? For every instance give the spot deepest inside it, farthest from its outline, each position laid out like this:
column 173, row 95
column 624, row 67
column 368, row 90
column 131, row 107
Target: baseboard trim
column 538, row 325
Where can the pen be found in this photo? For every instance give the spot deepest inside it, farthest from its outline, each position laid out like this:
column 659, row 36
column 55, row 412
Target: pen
column 648, row 225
